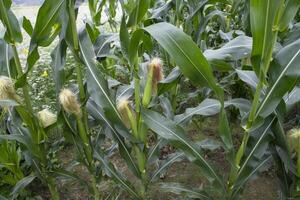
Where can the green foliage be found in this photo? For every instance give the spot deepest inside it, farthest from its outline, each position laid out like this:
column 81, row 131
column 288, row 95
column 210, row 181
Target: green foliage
column 235, row 59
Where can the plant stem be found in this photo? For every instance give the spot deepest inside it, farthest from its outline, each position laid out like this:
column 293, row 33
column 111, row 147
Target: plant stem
column 73, row 24
column 85, row 139
column 298, row 162
column 20, row 73
column 139, row 153
column 82, row 121
column 88, row 154
column 76, row 50
column 95, row 189
column 255, row 102
column 137, row 90
column 174, row 97
column 251, row 118
column 16, row 55
column 264, row 67
column 53, row 189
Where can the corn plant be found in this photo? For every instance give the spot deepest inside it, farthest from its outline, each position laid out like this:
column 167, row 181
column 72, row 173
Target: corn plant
column 159, row 47
column 260, row 120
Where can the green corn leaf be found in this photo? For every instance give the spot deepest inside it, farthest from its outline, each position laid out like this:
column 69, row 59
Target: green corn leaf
column 291, row 9
column 225, row 132
column 169, row 82
column 58, row 56
column 124, row 92
column 153, row 153
column 284, row 73
column 292, row 98
column 2, row 197
column 97, row 84
column 174, row 158
column 22, row 184
column 46, row 28
column 124, row 150
column 220, row 15
column 124, row 38
column 69, row 175
column 46, row 21
column 6, row 60
column 250, row 174
column 256, row 157
column 281, row 145
column 282, row 160
column 138, row 12
column 103, row 43
column 23, row 139
column 186, row 54
column 263, row 18
column 210, row 107
column 13, row 31
column 191, row 62
column 170, row 131
column 249, row 77
column 180, row 189
column 27, row 26
column 134, row 45
column 116, row 176
column 286, row 182
column 98, row 89
column 236, row 49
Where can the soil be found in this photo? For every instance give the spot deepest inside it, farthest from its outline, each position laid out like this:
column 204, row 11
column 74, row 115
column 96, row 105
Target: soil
column 262, row 187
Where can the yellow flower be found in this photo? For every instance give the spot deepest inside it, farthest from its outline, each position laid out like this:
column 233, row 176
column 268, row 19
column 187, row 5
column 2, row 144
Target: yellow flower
column 69, row 102
column 45, row 73
column 46, row 117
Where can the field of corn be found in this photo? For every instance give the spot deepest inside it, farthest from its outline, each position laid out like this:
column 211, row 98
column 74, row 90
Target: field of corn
column 150, row 100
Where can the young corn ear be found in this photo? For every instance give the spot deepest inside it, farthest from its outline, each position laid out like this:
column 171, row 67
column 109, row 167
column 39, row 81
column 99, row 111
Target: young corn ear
column 155, row 74
column 69, row 102
column 128, row 116
column 141, row 159
column 293, row 137
column 293, row 141
column 121, row 107
column 158, row 74
column 7, row 90
column 143, row 131
column 46, row 117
